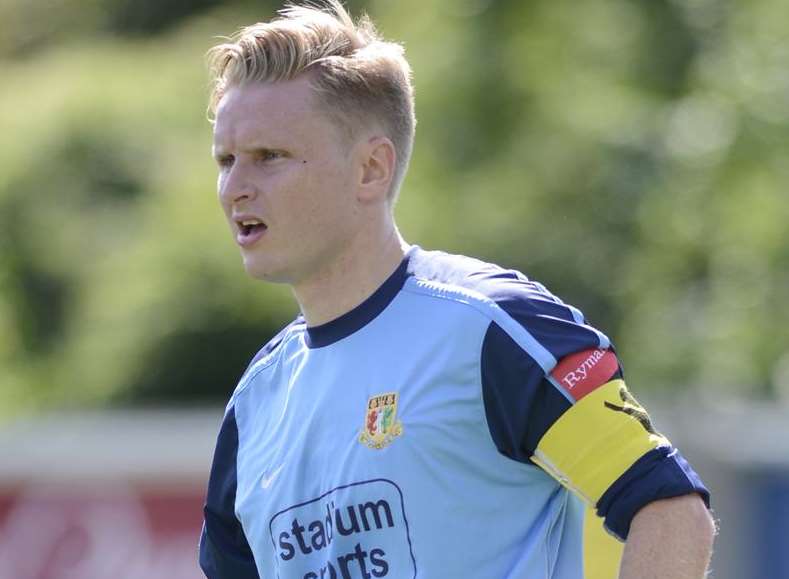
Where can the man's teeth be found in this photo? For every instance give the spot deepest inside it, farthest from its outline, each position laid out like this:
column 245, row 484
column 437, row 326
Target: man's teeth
column 251, row 222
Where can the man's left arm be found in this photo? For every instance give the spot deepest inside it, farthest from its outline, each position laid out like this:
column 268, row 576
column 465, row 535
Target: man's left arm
column 669, row 539
column 556, row 397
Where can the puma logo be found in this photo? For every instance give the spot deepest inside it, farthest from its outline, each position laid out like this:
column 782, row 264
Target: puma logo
column 632, row 408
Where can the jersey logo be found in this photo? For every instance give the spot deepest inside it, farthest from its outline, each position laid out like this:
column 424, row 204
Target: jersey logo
column 268, row 478
column 580, row 373
column 381, row 426
column 631, row 407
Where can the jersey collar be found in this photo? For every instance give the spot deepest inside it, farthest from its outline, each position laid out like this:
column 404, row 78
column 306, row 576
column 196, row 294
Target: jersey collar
column 354, row 320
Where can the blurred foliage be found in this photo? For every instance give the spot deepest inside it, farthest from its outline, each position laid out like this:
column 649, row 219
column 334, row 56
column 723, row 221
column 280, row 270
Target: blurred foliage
column 629, row 154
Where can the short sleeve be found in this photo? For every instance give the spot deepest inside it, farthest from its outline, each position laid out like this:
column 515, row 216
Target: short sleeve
column 555, row 396
column 224, row 551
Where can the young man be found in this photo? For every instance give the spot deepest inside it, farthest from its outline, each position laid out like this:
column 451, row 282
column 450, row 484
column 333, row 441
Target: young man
column 428, row 415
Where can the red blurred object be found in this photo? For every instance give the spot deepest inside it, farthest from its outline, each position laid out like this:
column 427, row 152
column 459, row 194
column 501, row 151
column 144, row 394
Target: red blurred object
column 122, row 533
column 105, row 496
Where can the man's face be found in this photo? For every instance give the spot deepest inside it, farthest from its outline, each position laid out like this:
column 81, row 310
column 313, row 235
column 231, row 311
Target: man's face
column 286, row 180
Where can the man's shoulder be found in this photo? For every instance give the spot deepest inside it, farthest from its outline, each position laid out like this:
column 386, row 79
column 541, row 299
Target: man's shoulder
column 272, row 346
column 488, row 280
column 522, row 309
column 266, row 355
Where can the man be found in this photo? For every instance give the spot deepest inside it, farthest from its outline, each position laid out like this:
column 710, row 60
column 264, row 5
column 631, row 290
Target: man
column 426, row 415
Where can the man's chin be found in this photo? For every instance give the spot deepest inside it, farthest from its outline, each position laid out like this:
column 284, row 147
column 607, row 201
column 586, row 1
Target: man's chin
column 264, row 272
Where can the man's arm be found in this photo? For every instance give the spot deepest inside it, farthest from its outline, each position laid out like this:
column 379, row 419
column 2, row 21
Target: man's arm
column 224, row 551
column 669, row 539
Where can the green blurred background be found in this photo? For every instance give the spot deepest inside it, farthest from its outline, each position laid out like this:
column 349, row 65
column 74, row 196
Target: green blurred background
column 631, row 155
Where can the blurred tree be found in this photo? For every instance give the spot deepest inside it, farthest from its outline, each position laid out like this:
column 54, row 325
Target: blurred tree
column 146, row 17
column 630, row 155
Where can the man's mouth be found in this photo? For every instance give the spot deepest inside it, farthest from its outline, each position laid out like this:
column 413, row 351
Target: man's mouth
column 250, row 231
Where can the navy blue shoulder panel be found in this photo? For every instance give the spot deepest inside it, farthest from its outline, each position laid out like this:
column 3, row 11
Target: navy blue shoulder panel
column 520, row 404
column 662, row 473
column 224, row 550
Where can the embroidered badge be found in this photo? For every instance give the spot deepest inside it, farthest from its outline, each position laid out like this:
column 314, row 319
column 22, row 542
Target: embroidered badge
column 381, row 426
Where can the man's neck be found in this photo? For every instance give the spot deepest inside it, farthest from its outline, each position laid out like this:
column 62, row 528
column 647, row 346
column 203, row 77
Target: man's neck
column 349, row 281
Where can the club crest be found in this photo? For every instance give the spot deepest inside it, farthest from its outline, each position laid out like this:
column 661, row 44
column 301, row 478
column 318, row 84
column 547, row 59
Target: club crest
column 381, row 426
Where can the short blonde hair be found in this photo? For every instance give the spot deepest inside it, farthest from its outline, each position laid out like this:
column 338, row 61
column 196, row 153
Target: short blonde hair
column 359, row 78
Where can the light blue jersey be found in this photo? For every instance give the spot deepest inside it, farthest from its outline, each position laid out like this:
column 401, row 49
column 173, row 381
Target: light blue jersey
column 418, row 436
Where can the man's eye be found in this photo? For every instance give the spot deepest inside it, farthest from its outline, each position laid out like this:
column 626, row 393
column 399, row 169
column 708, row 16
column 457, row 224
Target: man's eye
column 226, row 161
column 269, row 155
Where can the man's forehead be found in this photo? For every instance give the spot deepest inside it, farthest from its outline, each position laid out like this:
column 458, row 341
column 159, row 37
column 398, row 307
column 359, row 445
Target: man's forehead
column 282, row 107
column 265, row 114
column 275, row 98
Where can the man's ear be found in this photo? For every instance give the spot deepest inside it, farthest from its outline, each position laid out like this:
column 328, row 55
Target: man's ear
column 378, row 167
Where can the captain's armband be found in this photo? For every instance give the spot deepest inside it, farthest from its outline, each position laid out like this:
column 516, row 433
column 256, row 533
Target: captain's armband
column 602, row 434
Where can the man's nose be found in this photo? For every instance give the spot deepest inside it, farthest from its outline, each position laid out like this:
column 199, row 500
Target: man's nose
column 236, row 186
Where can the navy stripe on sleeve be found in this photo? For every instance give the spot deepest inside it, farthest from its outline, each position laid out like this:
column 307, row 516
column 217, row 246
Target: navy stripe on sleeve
column 661, row 473
column 520, row 404
column 224, row 550
column 550, row 322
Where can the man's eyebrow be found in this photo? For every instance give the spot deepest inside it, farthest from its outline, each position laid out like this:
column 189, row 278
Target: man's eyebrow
column 257, row 147
column 250, row 150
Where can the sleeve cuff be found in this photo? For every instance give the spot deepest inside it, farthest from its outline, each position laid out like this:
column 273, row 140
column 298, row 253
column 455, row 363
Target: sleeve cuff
column 661, row 473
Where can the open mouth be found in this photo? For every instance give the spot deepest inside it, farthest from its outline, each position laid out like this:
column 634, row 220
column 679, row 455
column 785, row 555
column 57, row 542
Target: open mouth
column 251, row 226
column 249, row 231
